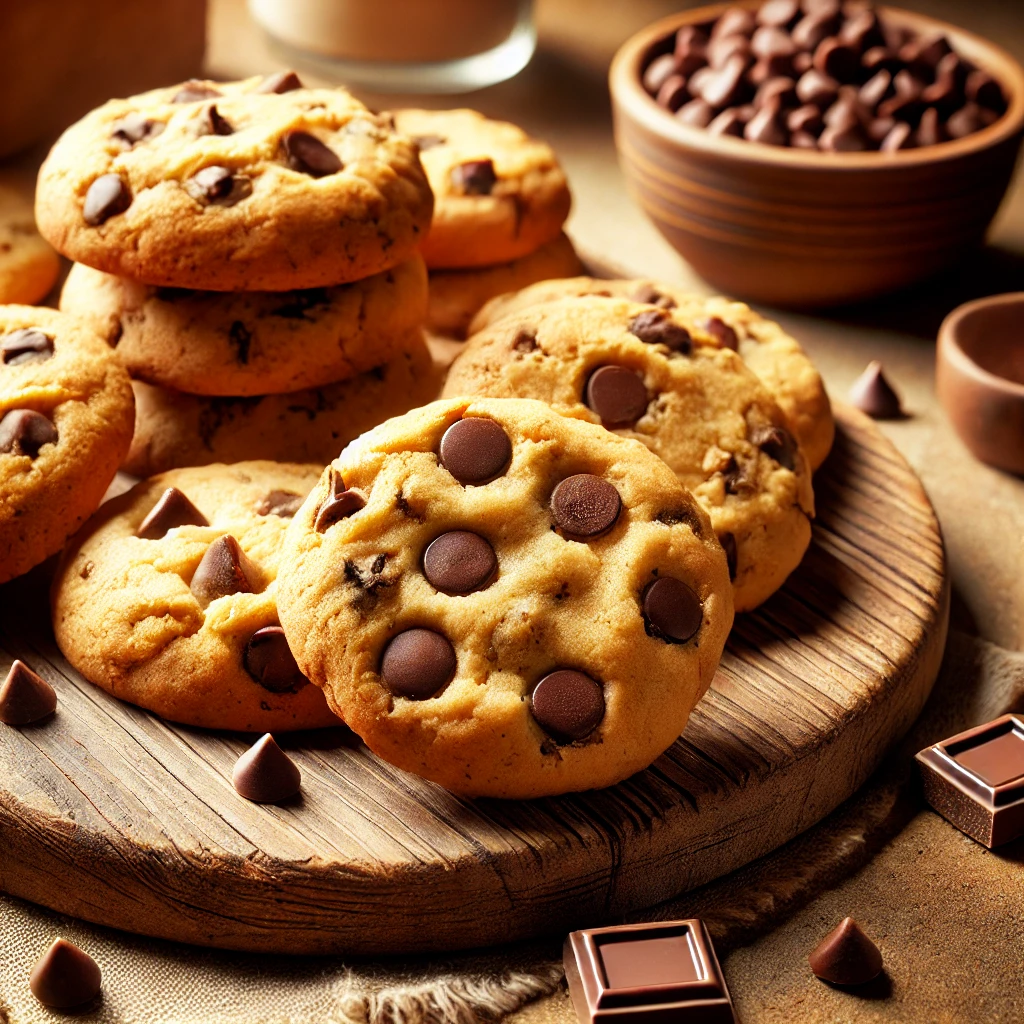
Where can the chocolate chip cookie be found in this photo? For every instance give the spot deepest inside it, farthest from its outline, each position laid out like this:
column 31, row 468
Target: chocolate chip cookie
column 498, row 193
column 66, row 416
column 166, row 599
column 762, row 344
column 506, row 601
column 644, row 374
column 259, row 185
column 251, row 343
column 174, row 429
column 28, row 266
column 456, row 295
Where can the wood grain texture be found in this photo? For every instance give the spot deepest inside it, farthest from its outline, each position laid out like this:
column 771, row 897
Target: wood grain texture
column 114, row 816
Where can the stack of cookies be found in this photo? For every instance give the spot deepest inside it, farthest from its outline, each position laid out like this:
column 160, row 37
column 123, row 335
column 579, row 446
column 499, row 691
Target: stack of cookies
column 501, row 199
column 249, row 248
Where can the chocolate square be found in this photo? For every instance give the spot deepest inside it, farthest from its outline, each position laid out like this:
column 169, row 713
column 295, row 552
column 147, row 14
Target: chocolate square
column 647, row 973
column 975, row 780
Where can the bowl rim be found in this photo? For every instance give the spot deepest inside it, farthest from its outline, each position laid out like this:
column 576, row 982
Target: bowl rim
column 952, row 353
column 628, row 93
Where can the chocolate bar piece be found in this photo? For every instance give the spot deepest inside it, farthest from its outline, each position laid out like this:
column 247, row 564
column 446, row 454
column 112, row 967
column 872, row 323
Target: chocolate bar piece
column 647, row 974
column 975, row 780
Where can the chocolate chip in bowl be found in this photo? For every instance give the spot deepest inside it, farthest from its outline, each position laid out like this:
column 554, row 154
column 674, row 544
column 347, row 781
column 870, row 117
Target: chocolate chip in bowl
column 816, row 153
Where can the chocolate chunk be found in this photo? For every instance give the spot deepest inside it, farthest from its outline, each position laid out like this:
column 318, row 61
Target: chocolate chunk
column 417, row 663
column 849, row 138
column 568, row 705
column 657, row 73
column 930, row 130
column 134, row 128
column 672, row 611
column 107, row 196
column 779, row 91
column 459, row 562
column 899, row 136
column 728, row 122
column 617, row 395
column 283, row 81
column 672, row 94
column 525, row 341
column 474, row 178
column 172, row 509
column 224, row 569
column 195, row 90
column 265, row 774
column 279, row 503
column 875, row 89
column 846, row 956
column 690, row 49
column 648, row 294
column 65, row 977
column 584, row 506
column 777, row 444
column 340, row 503
column 778, row 12
column 836, row 60
column 269, row 660
column 728, row 542
column 25, row 697
column 767, row 127
column 654, row 328
column 806, row 119
column 425, row 142
column 307, row 154
column 872, row 393
column 816, row 88
column 722, row 333
column 24, row 432
column 475, row 450
column 724, row 86
column 214, row 123
column 27, row 345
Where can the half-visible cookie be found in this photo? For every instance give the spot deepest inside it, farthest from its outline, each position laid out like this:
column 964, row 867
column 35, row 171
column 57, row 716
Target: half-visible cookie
column 28, row 266
column 166, row 599
column 643, row 374
column 66, row 415
column 763, row 345
column 259, row 185
column 506, row 601
column 498, row 193
column 251, row 343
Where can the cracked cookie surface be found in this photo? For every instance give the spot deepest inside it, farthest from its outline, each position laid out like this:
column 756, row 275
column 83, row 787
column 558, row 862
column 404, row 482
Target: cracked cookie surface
column 166, row 599
column 506, row 601
column 225, row 186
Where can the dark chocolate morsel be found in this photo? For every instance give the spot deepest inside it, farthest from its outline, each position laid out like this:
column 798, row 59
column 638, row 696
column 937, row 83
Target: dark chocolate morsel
column 846, row 956
column 24, row 432
column 722, row 333
column 525, row 341
column 65, row 977
column 265, row 774
column 778, row 444
column 27, row 345
column 195, row 90
column 728, row 542
column 899, row 136
column 837, row 60
column 210, row 183
column 475, row 450
column 459, row 562
column 172, row 509
column 339, row 504
column 214, row 123
column 617, row 395
column 653, row 327
column 673, row 93
column 269, row 660
column 872, row 393
column 696, row 113
column 134, row 128
column 25, row 697
column 106, row 197
column 767, row 127
column 585, row 506
column 279, row 503
column 417, row 663
column 724, row 85
column 224, row 569
column 650, row 295
column 428, row 141
column 475, row 177
column 568, row 705
column 307, row 154
column 658, row 72
column 282, row 81
column 728, row 122
column 672, row 611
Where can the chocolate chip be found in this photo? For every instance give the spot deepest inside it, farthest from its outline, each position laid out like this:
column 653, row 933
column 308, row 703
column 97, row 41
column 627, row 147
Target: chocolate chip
column 210, row 183
column 134, row 128
column 836, row 60
column 339, row 504
column 584, row 506
column 803, row 140
column 724, row 86
column 474, row 178
column 690, row 49
column 674, row 516
column 658, row 72
column 27, row 345
column 965, row 121
column 767, row 127
column 525, row 340
column 475, row 450
column 900, row 136
column 213, row 123
column 770, row 41
column 459, row 562
column 224, row 569
column 780, row 90
column 983, row 89
column 872, row 393
column 736, row 21
column 778, row 12
column 728, row 122
column 672, row 611
column 875, row 89
column 265, row 774
column 846, row 956
column 417, row 663
column 721, row 49
column 728, row 542
column 65, row 977
column 279, row 503
column 778, row 444
column 811, row 29
column 930, row 130
column 107, row 196
column 617, row 395
column 241, row 339
column 861, row 31
column 673, row 93
column 195, row 90
column 24, row 432
column 25, row 697
column 654, row 328
column 269, row 660
column 429, row 141
column 650, row 295
column 696, row 113
column 816, row 88
column 849, row 138
column 307, row 154
column 737, row 478
column 722, row 333
column 172, row 509
column 568, row 705
column 283, row 81
column 806, row 119
column 907, row 99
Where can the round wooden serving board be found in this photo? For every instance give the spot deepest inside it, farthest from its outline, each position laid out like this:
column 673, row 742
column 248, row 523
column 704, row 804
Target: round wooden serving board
column 112, row 815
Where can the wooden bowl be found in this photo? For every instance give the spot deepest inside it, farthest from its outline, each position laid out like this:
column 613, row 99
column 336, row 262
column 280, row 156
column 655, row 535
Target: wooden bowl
column 798, row 228
column 979, row 377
